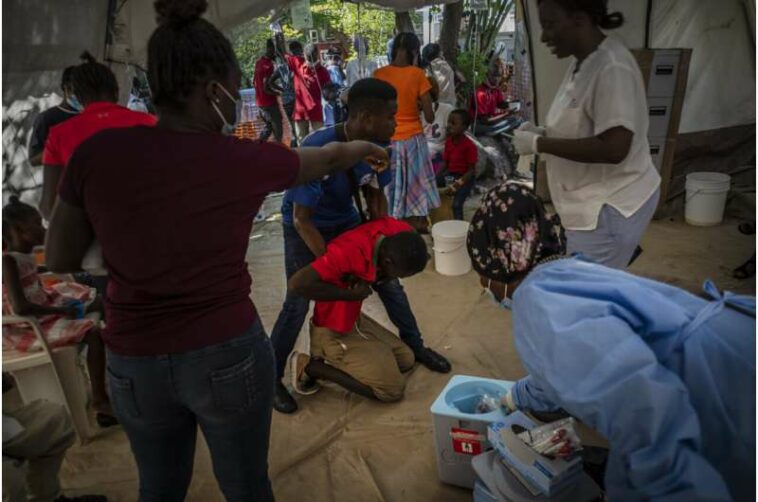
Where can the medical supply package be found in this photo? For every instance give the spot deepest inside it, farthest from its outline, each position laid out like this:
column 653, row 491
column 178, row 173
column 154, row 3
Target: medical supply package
column 546, row 475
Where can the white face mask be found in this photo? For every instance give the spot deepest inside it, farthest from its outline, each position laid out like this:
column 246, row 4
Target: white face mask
column 505, row 303
column 229, row 128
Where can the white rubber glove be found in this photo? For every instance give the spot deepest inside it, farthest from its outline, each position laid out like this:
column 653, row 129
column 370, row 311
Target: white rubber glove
column 525, row 142
column 529, row 127
column 507, row 402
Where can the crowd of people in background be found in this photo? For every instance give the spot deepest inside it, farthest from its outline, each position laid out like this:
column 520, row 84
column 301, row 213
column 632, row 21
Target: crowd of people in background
column 311, row 86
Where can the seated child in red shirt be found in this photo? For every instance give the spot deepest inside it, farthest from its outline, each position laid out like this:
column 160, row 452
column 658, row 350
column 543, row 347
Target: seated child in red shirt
column 458, row 172
column 349, row 348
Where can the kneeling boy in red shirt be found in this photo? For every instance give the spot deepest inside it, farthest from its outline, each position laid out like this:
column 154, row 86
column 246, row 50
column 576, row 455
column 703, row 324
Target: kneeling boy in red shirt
column 348, row 348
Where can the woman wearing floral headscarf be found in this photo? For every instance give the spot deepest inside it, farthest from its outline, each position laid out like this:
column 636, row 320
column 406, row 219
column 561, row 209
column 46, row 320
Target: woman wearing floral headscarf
column 666, row 376
column 510, row 234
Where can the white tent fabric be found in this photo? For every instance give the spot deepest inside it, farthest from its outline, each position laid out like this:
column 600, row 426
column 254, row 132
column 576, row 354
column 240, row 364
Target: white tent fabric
column 720, row 91
column 227, row 14
column 721, row 85
column 41, row 37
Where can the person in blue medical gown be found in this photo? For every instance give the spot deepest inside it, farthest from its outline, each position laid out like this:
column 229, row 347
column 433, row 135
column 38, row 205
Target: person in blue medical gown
column 667, row 376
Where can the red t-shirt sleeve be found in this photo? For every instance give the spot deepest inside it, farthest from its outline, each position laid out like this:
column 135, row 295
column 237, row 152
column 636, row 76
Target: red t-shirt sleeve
column 446, row 152
column 71, row 186
column 149, row 119
column 265, row 167
column 323, row 76
column 332, row 266
column 471, row 153
column 51, row 155
column 293, row 62
column 262, row 72
column 481, row 102
column 501, row 101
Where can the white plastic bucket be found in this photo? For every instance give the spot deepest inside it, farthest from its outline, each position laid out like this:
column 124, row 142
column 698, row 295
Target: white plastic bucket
column 706, row 198
column 450, row 255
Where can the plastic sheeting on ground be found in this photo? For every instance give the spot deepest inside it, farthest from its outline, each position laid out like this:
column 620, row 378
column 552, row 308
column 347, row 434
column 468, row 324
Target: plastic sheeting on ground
column 344, row 448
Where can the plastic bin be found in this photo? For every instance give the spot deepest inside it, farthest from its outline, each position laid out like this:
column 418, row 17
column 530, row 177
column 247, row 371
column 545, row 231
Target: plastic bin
column 460, row 433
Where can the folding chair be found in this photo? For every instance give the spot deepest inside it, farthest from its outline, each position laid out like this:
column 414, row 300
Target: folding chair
column 52, row 374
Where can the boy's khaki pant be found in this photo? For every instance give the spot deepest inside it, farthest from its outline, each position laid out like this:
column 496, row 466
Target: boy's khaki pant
column 369, row 353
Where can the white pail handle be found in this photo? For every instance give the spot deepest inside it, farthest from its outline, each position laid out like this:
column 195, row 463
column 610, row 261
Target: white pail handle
column 703, row 190
column 456, row 248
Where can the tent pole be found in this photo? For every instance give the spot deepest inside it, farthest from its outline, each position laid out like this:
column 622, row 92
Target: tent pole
column 647, row 23
column 524, row 9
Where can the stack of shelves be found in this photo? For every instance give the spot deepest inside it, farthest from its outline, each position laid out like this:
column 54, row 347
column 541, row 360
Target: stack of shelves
column 665, row 73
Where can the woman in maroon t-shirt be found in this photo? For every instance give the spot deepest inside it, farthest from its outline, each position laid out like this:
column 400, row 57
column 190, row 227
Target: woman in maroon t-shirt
column 172, row 207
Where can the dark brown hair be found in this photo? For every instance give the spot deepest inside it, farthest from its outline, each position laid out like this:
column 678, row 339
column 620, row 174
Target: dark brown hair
column 185, row 50
column 91, row 80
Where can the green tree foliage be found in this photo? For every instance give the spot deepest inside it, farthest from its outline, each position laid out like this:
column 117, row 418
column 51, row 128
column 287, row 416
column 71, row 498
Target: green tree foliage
column 249, row 42
column 341, row 20
column 335, row 19
column 483, row 26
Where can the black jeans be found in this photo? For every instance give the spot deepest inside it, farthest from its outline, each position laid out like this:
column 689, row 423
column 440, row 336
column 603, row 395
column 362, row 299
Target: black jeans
column 289, row 110
column 272, row 119
column 295, row 308
column 226, row 389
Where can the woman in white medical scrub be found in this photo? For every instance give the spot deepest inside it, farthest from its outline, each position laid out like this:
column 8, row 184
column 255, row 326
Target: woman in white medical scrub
column 601, row 177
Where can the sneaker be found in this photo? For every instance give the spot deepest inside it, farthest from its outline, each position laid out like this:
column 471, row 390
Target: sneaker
column 432, row 360
column 301, row 382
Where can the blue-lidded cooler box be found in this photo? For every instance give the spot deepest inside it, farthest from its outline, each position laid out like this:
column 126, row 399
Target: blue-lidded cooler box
column 460, row 431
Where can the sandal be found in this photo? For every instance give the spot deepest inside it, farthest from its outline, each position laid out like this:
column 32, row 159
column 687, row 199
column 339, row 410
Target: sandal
column 301, row 382
column 746, row 270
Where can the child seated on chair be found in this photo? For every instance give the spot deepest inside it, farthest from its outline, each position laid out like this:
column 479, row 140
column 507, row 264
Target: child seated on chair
column 459, row 161
column 59, row 309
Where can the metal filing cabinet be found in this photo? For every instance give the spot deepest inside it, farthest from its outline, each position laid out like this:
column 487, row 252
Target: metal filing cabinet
column 659, row 116
column 663, row 73
column 657, row 151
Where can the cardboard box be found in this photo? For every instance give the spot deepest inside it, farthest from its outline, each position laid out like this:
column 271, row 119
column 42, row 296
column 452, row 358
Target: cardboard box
column 548, row 476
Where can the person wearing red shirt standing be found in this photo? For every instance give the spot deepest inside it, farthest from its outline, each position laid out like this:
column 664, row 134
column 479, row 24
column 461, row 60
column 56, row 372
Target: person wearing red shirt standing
column 96, row 88
column 348, row 348
column 310, row 77
column 265, row 96
column 459, row 159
